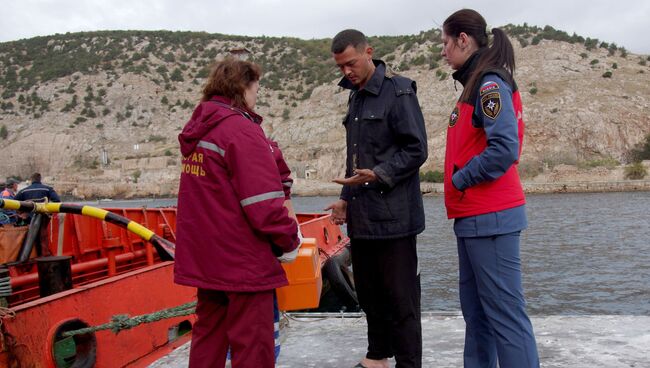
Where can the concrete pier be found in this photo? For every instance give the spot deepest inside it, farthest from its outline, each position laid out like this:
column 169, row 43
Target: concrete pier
column 596, row 341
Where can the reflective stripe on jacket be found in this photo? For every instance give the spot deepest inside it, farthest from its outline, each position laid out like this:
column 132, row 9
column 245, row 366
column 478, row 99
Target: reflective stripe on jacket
column 38, row 192
column 230, row 204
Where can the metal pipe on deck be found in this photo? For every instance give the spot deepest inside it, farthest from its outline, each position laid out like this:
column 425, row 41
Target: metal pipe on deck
column 80, row 268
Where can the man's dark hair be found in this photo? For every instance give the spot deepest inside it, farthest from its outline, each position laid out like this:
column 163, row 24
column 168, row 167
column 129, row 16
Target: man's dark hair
column 348, row 37
column 36, row 177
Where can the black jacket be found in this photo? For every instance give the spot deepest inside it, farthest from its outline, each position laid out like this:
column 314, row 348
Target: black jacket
column 385, row 132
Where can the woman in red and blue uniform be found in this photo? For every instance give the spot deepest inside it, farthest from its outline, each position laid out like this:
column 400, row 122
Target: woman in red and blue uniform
column 484, row 196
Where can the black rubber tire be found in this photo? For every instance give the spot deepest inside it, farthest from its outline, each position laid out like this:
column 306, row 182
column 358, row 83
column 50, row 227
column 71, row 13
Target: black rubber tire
column 339, row 277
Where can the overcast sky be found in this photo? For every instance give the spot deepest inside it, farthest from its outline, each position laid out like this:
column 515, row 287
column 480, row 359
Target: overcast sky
column 625, row 22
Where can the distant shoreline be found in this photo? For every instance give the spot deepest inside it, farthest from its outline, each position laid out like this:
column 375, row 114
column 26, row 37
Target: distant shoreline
column 306, row 188
column 310, row 188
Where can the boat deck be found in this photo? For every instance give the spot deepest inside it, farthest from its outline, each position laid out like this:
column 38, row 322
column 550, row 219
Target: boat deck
column 595, row 341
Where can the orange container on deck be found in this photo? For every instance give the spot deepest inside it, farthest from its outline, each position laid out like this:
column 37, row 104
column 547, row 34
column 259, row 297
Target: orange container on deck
column 305, row 282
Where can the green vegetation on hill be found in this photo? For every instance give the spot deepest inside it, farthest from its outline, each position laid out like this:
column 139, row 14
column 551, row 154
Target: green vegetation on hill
column 26, row 63
column 532, row 35
column 289, row 64
column 292, row 66
column 118, row 88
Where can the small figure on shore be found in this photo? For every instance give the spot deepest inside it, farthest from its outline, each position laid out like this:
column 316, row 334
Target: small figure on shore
column 232, row 222
column 483, row 193
column 381, row 200
column 9, row 216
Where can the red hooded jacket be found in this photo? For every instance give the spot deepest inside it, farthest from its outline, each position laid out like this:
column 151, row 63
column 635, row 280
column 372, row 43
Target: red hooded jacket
column 283, row 169
column 230, row 203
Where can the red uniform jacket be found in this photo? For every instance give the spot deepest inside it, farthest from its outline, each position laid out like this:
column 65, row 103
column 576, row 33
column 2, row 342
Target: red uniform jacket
column 464, row 142
column 283, row 169
column 230, row 203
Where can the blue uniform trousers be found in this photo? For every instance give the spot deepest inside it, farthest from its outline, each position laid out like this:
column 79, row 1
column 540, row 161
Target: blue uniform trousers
column 493, row 305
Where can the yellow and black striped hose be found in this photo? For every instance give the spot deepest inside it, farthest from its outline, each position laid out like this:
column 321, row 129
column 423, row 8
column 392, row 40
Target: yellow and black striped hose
column 164, row 247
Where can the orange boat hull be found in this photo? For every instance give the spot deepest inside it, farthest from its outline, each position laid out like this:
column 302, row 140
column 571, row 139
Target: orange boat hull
column 36, row 322
column 115, row 273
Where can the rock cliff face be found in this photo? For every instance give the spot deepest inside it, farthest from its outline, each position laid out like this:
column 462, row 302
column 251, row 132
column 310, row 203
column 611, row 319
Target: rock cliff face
column 127, row 146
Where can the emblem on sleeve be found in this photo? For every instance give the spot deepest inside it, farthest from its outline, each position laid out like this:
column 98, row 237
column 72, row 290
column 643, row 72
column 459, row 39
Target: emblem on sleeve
column 487, row 87
column 453, row 118
column 491, row 104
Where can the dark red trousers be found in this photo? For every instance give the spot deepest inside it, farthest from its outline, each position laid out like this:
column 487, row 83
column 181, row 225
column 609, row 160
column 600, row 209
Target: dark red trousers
column 243, row 321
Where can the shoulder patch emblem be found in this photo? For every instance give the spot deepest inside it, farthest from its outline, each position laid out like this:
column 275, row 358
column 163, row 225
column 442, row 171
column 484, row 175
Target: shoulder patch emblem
column 487, row 87
column 491, row 104
column 453, row 118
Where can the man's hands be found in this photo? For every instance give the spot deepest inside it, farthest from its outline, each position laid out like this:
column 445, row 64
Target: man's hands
column 339, row 209
column 361, row 176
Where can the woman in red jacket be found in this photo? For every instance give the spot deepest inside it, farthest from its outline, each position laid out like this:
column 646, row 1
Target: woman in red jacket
column 232, row 222
column 484, row 196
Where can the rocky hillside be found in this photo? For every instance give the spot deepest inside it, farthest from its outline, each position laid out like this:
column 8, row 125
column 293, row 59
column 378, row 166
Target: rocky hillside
column 98, row 113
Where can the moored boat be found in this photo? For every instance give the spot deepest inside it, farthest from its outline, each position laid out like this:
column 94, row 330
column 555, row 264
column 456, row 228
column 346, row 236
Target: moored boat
column 95, row 266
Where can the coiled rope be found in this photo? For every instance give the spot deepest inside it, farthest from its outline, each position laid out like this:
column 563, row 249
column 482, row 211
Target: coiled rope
column 6, row 313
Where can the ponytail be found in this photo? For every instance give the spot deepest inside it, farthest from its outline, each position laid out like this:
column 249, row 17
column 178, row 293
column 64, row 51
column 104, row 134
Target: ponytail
column 499, row 55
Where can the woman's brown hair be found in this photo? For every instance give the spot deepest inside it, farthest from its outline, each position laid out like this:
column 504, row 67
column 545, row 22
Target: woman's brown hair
column 230, row 78
column 499, row 55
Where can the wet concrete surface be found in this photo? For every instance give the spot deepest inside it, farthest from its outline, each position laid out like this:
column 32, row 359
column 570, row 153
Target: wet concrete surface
column 596, row 341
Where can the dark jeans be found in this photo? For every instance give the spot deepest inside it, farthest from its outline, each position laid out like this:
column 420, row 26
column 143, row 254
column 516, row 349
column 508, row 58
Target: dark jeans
column 388, row 286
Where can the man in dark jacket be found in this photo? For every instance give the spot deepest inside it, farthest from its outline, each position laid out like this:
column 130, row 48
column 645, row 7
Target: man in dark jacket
column 38, row 192
column 381, row 199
